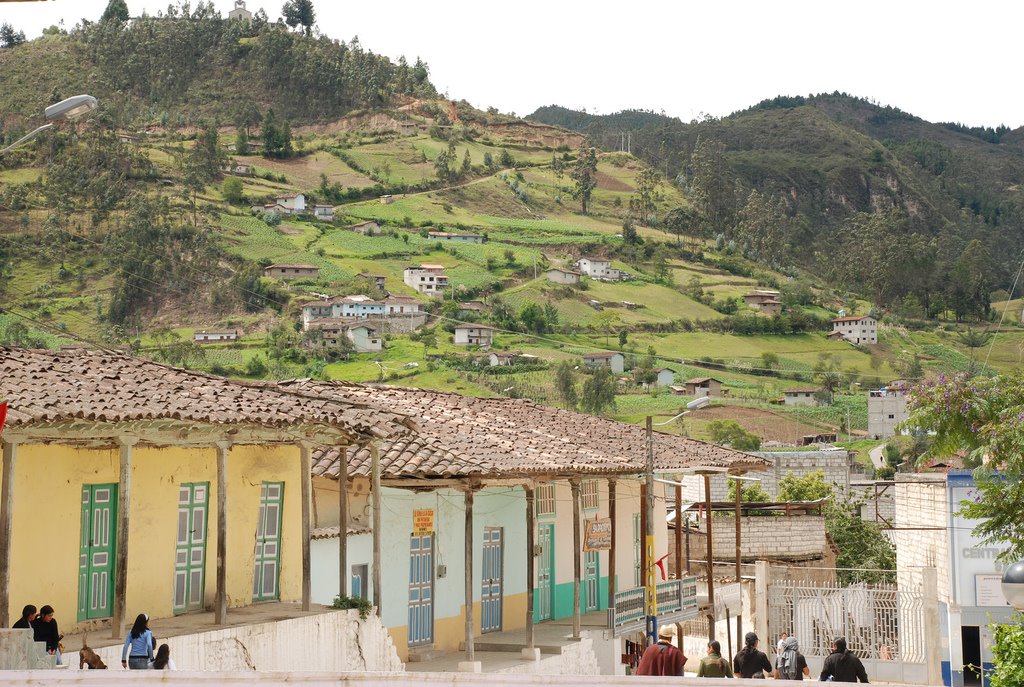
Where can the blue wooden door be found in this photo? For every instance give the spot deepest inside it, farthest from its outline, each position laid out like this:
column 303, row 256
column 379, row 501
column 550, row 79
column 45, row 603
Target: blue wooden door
column 546, row 572
column 421, row 590
column 491, row 581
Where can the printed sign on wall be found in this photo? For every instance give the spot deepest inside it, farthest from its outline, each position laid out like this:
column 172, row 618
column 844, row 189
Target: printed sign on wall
column 598, row 535
column 422, row 521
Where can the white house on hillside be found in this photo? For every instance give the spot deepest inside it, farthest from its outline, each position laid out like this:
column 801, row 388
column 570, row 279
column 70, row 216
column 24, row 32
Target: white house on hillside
column 428, row 279
column 293, row 203
column 599, row 268
column 562, row 276
column 474, row 335
column 856, row 329
column 616, row 362
column 803, row 396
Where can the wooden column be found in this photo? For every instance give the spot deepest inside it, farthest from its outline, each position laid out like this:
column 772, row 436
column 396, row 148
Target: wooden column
column 739, row 553
column 220, row 610
column 530, row 563
column 375, row 493
column 643, row 528
column 679, row 532
column 468, row 542
column 611, row 551
column 710, row 557
column 306, row 484
column 574, row 485
column 343, row 523
column 6, row 521
column 123, row 511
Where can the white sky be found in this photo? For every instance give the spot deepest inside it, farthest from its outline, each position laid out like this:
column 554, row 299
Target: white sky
column 940, row 60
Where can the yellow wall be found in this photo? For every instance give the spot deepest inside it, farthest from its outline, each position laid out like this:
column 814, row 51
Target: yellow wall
column 47, row 514
column 450, row 632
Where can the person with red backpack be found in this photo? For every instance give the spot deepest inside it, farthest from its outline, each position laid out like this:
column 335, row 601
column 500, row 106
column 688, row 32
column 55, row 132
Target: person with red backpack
column 843, row 666
column 662, row 658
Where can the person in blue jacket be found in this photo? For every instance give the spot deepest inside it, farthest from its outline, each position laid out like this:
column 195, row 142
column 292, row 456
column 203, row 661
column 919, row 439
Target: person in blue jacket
column 140, row 642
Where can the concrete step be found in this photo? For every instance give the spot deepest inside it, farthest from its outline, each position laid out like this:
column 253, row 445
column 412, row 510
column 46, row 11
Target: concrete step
column 421, row 654
column 511, row 647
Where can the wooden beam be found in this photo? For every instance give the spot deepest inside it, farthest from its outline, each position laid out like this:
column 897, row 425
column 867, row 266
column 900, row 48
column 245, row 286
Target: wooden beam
column 220, row 610
column 305, row 481
column 343, row 524
column 124, row 502
column 468, row 541
column 678, row 531
column 6, row 521
column 530, row 563
column 574, row 485
column 375, row 495
column 611, row 551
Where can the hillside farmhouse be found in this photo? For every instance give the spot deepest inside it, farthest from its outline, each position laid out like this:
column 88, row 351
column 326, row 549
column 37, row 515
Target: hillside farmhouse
column 204, row 336
column 599, row 268
column 616, row 362
column 287, row 272
column 368, row 228
column 703, row 386
column 427, row 279
column 456, row 237
column 473, row 335
column 856, row 329
column 562, row 276
column 293, row 203
column 803, row 396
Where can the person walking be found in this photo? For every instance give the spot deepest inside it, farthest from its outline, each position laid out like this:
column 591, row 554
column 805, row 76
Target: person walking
column 28, row 614
column 750, row 662
column 662, row 658
column 45, row 629
column 713, row 665
column 140, row 641
column 791, row 664
column 163, row 660
column 842, row 666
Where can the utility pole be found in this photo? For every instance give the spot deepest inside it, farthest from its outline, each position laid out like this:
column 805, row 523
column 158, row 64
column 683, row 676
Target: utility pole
column 651, row 625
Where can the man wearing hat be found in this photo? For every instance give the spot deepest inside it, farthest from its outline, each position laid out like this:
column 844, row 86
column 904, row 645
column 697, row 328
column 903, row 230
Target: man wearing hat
column 750, row 662
column 662, row 658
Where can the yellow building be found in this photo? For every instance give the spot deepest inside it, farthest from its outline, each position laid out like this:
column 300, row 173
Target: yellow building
column 114, row 467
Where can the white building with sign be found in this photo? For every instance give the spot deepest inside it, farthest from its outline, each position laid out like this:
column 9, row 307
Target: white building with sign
column 930, row 532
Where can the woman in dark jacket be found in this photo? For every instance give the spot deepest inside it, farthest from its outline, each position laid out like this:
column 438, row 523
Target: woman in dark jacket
column 750, row 662
column 28, row 614
column 46, row 631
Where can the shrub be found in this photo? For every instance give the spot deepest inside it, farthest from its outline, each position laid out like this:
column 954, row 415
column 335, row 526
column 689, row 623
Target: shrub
column 353, row 602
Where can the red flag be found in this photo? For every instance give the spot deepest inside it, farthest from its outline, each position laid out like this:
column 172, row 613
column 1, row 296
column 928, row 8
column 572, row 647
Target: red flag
column 3, row 414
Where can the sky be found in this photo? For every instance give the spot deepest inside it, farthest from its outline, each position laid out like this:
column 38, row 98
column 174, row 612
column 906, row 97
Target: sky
column 939, row 60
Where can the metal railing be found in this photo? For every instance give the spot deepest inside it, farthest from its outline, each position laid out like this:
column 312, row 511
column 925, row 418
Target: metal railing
column 677, row 601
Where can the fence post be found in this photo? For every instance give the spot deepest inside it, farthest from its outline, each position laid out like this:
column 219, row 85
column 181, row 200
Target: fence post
column 932, row 638
column 761, row 573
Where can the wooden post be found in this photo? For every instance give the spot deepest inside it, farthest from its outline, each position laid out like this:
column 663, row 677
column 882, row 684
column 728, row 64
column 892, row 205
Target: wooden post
column 679, row 532
column 739, row 554
column 574, row 485
column 343, row 524
column 643, row 529
column 468, row 542
column 611, row 551
column 220, row 611
column 530, row 563
column 306, row 484
column 6, row 521
column 123, row 511
column 375, row 493
column 710, row 555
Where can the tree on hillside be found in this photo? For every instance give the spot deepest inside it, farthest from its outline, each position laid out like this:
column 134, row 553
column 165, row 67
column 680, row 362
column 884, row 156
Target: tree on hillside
column 206, row 158
column 763, row 224
column 300, row 13
column 277, row 138
column 9, row 38
column 241, row 142
column 629, row 235
column 117, row 10
column 712, row 185
column 232, row 190
column 643, row 201
column 565, row 384
column 971, row 285
column 682, row 220
column 584, row 174
column 598, row 392
column 730, row 433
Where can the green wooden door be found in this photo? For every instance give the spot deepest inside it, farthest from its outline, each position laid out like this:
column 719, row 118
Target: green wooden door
column 268, row 543
column 97, row 548
column 190, row 548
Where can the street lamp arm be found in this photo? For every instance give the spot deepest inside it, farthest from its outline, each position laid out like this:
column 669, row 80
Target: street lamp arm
column 27, row 137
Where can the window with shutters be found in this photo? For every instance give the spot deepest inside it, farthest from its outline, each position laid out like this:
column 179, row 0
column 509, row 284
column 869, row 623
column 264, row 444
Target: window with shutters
column 589, row 492
column 546, row 499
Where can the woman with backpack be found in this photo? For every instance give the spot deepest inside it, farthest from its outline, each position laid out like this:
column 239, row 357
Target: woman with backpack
column 791, row 664
column 750, row 662
column 713, row 665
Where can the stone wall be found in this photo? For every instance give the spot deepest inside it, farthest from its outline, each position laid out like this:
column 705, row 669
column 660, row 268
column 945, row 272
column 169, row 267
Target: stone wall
column 922, row 503
column 332, row 641
column 835, row 463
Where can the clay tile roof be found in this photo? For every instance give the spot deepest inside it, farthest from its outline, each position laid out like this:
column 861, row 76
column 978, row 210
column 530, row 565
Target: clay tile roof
column 460, row 436
column 851, row 318
column 44, row 386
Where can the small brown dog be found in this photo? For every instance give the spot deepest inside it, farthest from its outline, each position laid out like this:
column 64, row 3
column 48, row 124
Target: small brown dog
column 88, row 657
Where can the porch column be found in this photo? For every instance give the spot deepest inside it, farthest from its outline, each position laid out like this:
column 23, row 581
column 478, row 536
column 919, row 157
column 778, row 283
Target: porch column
column 343, row 523
column 306, row 484
column 574, row 484
column 530, row 563
column 678, row 522
column 611, row 551
column 709, row 554
column 468, row 543
column 375, row 522
column 220, row 609
column 6, row 520
column 123, row 510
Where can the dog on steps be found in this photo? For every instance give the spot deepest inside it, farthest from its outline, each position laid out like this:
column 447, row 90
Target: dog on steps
column 88, row 657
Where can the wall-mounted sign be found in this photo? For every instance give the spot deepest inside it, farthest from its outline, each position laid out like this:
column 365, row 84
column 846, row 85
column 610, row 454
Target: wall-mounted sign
column 422, row 521
column 597, row 535
column 988, row 591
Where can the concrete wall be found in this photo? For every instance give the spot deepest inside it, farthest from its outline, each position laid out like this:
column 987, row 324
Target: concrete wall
column 885, row 411
column 761, row 538
column 922, row 503
column 834, row 463
column 47, row 513
column 334, row 641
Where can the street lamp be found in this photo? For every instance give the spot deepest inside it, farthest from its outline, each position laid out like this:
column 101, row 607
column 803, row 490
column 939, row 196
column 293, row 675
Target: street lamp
column 1013, row 585
column 66, row 109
